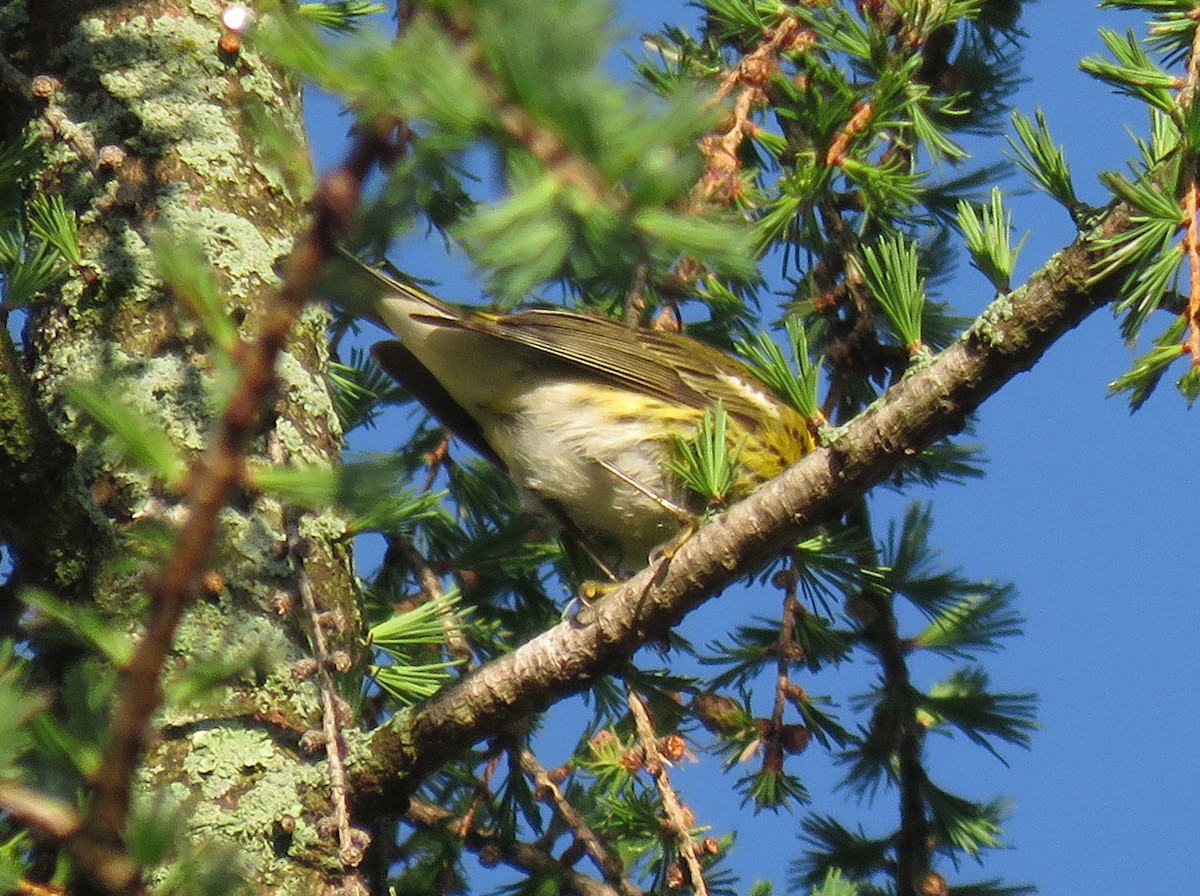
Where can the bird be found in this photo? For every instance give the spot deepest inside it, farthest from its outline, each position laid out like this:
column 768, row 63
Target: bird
column 583, row 413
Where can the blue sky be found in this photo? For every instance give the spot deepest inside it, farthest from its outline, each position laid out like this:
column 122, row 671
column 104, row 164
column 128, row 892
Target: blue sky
column 1090, row 511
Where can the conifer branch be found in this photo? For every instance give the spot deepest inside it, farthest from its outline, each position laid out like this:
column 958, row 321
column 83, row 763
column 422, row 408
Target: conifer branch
column 402, row 546
column 494, row 848
column 928, row 404
column 352, row 842
column 750, row 76
column 678, row 819
column 48, row 818
column 541, row 142
column 607, row 861
column 39, row 91
column 785, row 655
column 1191, row 207
column 895, row 730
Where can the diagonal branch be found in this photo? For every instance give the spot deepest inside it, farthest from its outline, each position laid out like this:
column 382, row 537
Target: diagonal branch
column 678, row 823
column 493, row 848
column 928, row 404
column 605, row 859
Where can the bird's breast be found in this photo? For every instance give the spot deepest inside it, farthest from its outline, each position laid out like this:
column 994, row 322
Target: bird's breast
column 556, row 440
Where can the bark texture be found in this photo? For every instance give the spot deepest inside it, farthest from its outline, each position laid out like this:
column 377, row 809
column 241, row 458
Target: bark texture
column 144, row 133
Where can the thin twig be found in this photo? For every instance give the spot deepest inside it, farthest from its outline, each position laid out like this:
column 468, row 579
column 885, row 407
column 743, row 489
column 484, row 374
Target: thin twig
column 14, row 80
column 350, row 844
column 679, row 819
column 1191, row 242
column 902, row 736
column 752, row 74
column 544, row 144
column 431, row 590
column 48, row 818
column 493, row 848
column 1191, row 207
column 607, row 862
column 635, row 298
column 785, row 654
column 27, row 887
column 836, row 154
column 483, row 790
column 39, row 91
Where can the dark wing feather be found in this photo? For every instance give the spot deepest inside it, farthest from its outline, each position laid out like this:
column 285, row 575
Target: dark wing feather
column 403, row 366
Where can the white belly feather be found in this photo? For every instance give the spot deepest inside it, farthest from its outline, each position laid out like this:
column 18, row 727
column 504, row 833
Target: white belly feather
column 555, row 453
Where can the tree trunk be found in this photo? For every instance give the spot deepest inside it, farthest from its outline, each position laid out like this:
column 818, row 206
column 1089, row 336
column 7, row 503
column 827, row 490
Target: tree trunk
column 141, row 119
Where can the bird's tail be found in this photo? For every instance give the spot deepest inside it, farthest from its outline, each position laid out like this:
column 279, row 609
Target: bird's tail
column 365, row 292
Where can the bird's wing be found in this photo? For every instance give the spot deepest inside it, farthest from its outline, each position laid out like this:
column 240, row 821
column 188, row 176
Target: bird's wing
column 667, row 366
column 414, row 376
column 672, row 368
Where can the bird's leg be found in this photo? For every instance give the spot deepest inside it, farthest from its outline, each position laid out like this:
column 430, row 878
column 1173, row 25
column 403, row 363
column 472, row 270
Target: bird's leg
column 685, row 516
column 689, row 521
column 590, row 589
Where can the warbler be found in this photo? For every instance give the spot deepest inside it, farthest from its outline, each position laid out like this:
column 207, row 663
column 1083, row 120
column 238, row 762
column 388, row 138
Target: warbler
column 582, row 412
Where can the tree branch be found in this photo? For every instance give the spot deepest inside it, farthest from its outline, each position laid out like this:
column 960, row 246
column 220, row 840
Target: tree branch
column 493, row 848
column 607, row 862
column 678, row 823
column 48, row 818
column 928, row 404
